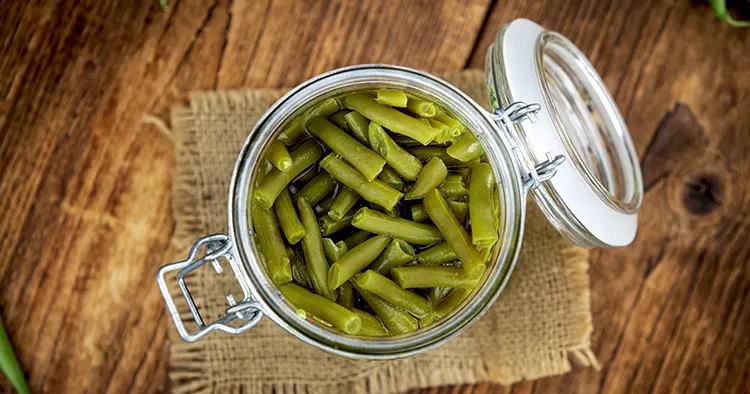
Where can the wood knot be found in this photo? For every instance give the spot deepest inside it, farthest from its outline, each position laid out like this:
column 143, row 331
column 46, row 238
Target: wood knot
column 703, row 193
column 700, row 191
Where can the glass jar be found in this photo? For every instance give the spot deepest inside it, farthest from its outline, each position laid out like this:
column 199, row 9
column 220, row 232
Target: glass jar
column 569, row 147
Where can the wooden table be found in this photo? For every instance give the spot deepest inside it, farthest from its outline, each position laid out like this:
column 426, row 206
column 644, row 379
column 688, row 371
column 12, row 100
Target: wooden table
column 85, row 188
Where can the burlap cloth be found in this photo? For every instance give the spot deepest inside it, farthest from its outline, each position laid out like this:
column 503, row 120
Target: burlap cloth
column 538, row 324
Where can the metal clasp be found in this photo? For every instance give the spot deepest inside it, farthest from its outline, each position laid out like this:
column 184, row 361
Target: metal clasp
column 217, row 247
column 533, row 173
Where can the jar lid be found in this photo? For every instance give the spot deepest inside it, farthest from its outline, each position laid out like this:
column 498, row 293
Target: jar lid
column 595, row 194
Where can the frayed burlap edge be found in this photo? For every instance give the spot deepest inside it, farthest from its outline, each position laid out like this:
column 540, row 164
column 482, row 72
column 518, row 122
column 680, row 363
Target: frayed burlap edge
column 385, row 377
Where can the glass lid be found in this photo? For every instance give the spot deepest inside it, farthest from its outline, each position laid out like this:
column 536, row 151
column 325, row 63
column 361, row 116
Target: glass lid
column 595, row 194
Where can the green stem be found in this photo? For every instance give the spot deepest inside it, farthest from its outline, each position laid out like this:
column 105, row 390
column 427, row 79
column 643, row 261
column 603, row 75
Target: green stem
column 9, row 364
column 720, row 9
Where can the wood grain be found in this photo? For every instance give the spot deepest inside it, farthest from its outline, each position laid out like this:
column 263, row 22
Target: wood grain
column 85, row 188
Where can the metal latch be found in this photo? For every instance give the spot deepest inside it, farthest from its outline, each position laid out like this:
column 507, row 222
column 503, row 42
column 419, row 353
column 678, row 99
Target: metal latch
column 533, row 173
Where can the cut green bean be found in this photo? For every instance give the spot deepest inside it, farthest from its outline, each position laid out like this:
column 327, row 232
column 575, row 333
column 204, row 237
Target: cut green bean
column 299, row 271
column 306, row 176
column 324, row 206
column 483, row 232
column 397, row 253
column 394, row 98
column 371, row 325
column 447, row 134
column 432, row 176
column 272, row 245
column 460, row 209
column 420, row 276
column 380, row 223
column 393, row 293
column 317, row 189
column 403, row 162
column 312, row 247
column 376, row 192
column 391, row 178
column 390, row 118
column 421, row 107
column 426, row 153
column 451, row 302
column 288, row 219
column 339, row 119
column 396, row 320
column 403, row 140
column 343, row 203
column 275, row 181
column 437, row 255
column 466, row 148
column 359, row 156
column 454, row 187
column 437, row 294
column 446, row 119
column 346, row 296
column 455, row 234
column 330, row 226
column 322, row 308
column 355, row 260
column 358, row 125
column 394, row 213
column 279, row 156
column 356, row 238
column 296, row 129
column 418, row 213
column 334, row 250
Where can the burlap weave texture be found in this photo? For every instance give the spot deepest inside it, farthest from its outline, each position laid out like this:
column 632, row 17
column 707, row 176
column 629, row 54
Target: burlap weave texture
column 538, row 324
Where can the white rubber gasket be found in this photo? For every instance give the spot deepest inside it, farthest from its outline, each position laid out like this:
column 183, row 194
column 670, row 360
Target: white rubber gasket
column 611, row 226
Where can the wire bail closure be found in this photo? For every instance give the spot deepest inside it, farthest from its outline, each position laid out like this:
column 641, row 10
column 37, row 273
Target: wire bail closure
column 533, row 173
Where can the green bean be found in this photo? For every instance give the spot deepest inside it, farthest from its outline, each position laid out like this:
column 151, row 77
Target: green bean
column 272, row 245
column 324, row 205
column 393, row 293
column 483, row 233
column 359, row 156
column 426, row 153
column 486, row 254
column 466, row 148
column 496, row 207
column 418, row 213
column 455, row 234
column 394, row 98
column 330, row 226
column 391, row 119
column 463, row 171
column 394, row 213
column 437, row 255
column 391, row 178
column 299, row 271
column 306, row 175
column 346, row 296
column 279, row 156
column 287, row 216
column 296, row 129
column 446, row 119
column 355, row 260
column 339, row 120
column 334, row 250
column 322, row 308
column 437, row 294
column 403, row 162
column 358, row 126
column 343, row 203
column 454, row 187
column 447, row 133
column 460, row 209
column 396, row 320
column 421, row 107
column 371, row 325
column 275, row 181
column 312, row 247
column 397, row 253
column 375, row 191
column 356, row 238
column 450, row 302
column 420, row 276
column 403, row 140
column 412, row 232
column 317, row 189
column 432, row 176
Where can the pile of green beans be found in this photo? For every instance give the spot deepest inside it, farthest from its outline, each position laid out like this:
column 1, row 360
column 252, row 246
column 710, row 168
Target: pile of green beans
column 376, row 213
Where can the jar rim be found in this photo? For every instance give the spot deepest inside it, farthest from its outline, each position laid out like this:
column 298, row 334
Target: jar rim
column 334, row 83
